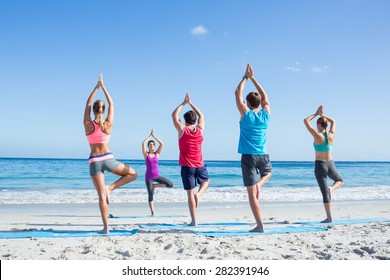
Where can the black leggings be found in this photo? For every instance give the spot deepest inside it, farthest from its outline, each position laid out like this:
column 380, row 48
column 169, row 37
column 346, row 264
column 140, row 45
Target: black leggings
column 323, row 170
column 160, row 180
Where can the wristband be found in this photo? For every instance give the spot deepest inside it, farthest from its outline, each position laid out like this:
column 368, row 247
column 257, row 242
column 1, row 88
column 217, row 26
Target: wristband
column 245, row 77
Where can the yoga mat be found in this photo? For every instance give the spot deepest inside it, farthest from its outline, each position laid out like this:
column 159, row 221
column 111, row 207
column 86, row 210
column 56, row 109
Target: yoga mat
column 206, row 225
column 111, row 216
column 346, row 222
column 63, row 233
column 289, row 229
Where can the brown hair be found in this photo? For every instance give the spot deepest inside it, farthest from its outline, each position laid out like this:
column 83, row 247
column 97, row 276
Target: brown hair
column 190, row 117
column 323, row 122
column 254, row 99
column 98, row 109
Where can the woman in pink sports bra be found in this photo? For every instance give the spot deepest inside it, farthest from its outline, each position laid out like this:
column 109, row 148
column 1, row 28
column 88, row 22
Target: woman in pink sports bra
column 98, row 132
column 153, row 179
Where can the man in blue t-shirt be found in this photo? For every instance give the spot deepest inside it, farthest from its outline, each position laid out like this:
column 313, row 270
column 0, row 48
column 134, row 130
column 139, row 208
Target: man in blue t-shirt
column 255, row 164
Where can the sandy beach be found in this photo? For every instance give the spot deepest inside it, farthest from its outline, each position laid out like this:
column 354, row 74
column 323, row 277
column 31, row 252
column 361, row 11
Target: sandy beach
column 361, row 241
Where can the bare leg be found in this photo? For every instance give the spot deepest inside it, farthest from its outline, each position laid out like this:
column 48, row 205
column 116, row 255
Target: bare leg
column 261, row 183
column 127, row 174
column 192, row 206
column 328, row 209
column 202, row 189
column 255, row 207
column 108, row 194
column 264, row 180
column 101, row 190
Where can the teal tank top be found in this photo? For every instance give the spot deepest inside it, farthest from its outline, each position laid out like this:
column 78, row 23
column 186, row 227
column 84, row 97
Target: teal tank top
column 323, row 147
column 253, row 133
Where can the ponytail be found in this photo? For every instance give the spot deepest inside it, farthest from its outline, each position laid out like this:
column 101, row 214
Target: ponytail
column 98, row 110
column 324, row 124
column 326, row 138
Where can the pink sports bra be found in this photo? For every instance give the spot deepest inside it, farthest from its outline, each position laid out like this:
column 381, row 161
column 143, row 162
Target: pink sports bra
column 98, row 136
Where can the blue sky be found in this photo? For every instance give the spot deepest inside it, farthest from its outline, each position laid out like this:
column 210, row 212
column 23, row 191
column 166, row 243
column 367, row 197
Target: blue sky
column 304, row 53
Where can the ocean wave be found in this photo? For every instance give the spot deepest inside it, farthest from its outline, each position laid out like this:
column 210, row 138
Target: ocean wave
column 226, row 194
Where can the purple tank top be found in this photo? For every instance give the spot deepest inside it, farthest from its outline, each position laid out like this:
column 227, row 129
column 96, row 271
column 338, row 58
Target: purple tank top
column 151, row 167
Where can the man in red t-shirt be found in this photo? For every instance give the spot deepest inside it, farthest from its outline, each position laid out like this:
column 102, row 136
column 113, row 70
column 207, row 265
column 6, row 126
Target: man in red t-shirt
column 193, row 169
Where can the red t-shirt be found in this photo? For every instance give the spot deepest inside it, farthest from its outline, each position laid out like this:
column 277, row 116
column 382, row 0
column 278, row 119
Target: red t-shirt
column 190, row 146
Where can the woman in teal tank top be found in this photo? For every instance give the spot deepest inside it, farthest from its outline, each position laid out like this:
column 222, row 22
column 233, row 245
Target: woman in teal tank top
column 324, row 165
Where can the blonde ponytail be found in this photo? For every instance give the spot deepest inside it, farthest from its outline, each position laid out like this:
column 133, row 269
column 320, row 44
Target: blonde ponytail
column 98, row 110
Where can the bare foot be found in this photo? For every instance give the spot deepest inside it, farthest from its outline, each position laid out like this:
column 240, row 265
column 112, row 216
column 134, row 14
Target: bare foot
column 196, row 200
column 257, row 192
column 108, row 194
column 192, row 224
column 257, row 229
column 330, row 193
column 104, row 231
column 326, row 221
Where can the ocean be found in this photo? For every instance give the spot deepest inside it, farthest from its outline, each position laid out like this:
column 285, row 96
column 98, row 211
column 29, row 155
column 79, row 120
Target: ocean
column 48, row 181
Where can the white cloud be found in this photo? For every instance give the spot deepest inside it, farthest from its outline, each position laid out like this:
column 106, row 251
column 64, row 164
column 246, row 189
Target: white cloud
column 294, row 68
column 199, row 30
column 320, row 69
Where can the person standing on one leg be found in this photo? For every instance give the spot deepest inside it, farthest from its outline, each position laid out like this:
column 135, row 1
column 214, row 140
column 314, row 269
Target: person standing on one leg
column 193, row 169
column 255, row 164
column 98, row 132
column 324, row 165
column 152, row 173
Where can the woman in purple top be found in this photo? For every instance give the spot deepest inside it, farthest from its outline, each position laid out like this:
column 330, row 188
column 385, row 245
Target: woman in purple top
column 152, row 173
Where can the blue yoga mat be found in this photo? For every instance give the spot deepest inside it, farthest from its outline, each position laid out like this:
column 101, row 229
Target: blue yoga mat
column 111, row 216
column 289, row 229
column 63, row 233
column 206, row 225
column 346, row 222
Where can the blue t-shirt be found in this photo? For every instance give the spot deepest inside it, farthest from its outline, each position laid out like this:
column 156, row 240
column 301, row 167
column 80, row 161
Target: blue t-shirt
column 253, row 133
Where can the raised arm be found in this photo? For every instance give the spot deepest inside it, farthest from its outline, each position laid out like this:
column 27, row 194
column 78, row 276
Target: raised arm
column 87, row 111
column 160, row 143
column 332, row 129
column 241, row 106
column 264, row 97
column 110, row 111
column 317, row 137
column 175, row 116
column 144, row 153
column 197, row 111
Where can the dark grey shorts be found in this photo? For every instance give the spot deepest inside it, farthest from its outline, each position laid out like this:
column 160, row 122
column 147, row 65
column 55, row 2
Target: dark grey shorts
column 253, row 167
column 98, row 167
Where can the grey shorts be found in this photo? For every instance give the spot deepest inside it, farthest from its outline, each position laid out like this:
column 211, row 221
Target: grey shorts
column 98, row 167
column 253, row 167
